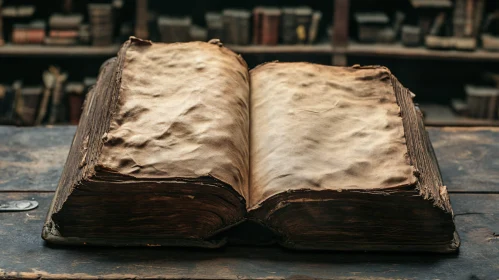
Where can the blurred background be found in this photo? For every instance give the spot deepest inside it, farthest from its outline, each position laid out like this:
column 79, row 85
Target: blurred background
column 445, row 51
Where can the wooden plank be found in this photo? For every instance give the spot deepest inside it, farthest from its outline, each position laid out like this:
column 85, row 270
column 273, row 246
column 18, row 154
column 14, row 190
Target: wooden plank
column 398, row 50
column 23, row 254
column 32, row 158
column 439, row 115
column 41, row 50
column 468, row 158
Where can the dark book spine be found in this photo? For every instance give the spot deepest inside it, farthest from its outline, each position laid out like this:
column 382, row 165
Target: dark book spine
column 257, row 26
column 28, row 106
column 302, row 26
column 270, row 28
column 141, row 30
column 244, row 27
column 7, row 98
column 288, row 26
column 215, row 26
column 459, row 18
column 2, row 39
column 478, row 17
column 468, row 22
column 314, row 27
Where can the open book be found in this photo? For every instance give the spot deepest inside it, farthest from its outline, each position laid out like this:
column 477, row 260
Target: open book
column 179, row 144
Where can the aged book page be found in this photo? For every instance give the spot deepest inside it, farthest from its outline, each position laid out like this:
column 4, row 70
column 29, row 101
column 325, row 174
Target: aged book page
column 319, row 128
column 182, row 113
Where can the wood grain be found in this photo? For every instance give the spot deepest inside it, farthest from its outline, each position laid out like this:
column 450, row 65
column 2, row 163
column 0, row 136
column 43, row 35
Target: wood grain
column 24, row 255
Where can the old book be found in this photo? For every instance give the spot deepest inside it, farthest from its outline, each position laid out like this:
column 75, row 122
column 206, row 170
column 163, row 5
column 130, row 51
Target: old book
column 322, row 157
column 65, row 22
column 244, row 27
column 459, row 106
column 7, row 104
column 288, row 26
column 57, row 108
column 32, row 33
column 2, row 39
column 478, row 17
column 49, row 80
column 174, row 29
column 458, row 19
column 439, row 42
column 482, row 101
column 270, row 25
column 214, row 23
column 27, row 105
column 101, row 20
column 76, row 96
column 141, row 19
column 257, row 25
column 230, row 26
column 314, row 27
column 303, row 17
column 371, row 25
column 198, row 33
column 411, row 35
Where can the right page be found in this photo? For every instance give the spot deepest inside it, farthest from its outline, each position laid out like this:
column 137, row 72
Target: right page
column 330, row 165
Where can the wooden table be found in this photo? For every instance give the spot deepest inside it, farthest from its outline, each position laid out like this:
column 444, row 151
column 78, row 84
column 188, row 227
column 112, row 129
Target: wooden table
column 31, row 160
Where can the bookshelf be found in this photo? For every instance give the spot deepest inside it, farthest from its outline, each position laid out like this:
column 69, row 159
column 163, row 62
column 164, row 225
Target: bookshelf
column 41, row 50
column 440, row 115
column 400, row 51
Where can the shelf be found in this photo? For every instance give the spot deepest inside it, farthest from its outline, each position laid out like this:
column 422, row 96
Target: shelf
column 439, row 115
column 41, row 50
column 398, row 50
column 261, row 49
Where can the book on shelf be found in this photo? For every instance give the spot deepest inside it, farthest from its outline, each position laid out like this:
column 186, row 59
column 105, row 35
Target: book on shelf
column 76, row 96
column 27, row 102
column 270, row 18
column 65, row 22
column 101, row 20
column 174, row 29
column 236, row 26
column 371, row 25
column 411, row 35
column 482, row 101
column 285, row 147
column 32, row 33
column 303, row 17
column 49, row 80
column 288, row 26
column 314, row 27
column 58, row 108
column 198, row 33
column 7, row 104
column 23, row 11
column 214, row 24
column 2, row 39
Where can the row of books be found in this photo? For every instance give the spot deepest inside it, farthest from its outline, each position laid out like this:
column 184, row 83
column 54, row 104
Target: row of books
column 442, row 24
column 262, row 26
column 57, row 101
column 482, row 101
column 63, row 29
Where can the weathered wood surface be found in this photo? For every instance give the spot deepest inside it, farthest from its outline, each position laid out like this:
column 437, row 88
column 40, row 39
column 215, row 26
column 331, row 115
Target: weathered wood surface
column 31, row 159
column 24, row 255
column 468, row 158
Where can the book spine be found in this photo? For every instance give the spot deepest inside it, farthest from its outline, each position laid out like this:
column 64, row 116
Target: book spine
column 227, row 29
column 302, row 27
column 29, row 105
column 257, row 26
column 468, row 26
column 478, row 17
column 141, row 30
column 459, row 18
column 437, row 24
column 75, row 107
column 314, row 27
column 64, row 33
column 2, row 39
column 288, row 27
column 270, row 29
column 244, row 29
